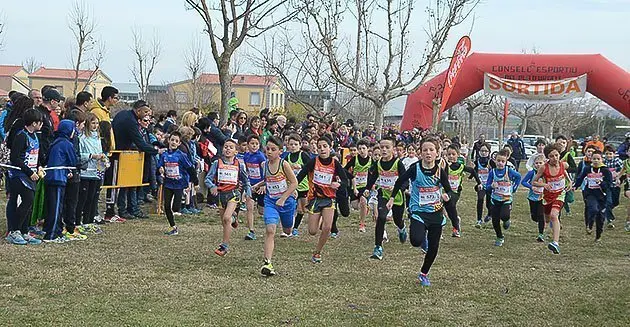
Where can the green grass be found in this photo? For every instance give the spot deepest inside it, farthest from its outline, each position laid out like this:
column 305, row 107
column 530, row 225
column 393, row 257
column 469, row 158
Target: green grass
column 132, row 275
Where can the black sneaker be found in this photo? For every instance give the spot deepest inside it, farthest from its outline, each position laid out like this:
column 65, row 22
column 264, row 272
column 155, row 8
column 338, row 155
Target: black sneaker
column 141, row 215
column 126, row 215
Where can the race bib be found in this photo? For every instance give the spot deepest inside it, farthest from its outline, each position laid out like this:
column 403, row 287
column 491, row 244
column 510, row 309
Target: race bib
column 228, row 175
column 31, row 158
column 429, row 195
column 538, row 189
column 361, row 179
column 594, row 179
column 557, row 186
column 322, row 177
column 503, row 188
column 454, row 181
column 253, row 170
column 387, row 179
column 483, row 175
column 276, row 186
column 171, row 170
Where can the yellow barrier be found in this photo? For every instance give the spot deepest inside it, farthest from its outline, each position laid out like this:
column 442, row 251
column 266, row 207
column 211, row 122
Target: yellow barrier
column 126, row 169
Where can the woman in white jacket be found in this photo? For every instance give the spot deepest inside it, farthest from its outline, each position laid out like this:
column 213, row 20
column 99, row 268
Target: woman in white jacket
column 93, row 163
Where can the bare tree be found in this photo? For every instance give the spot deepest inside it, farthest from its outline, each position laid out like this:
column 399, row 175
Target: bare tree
column 31, row 64
column 566, row 117
column 382, row 64
column 3, row 26
column 229, row 23
column 495, row 110
column 82, row 25
column 471, row 104
column 529, row 111
column 146, row 58
column 195, row 62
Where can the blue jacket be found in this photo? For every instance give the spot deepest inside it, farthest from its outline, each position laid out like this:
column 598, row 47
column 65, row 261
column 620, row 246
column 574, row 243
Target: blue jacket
column 61, row 154
column 127, row 133
column 178, row 170
column 253, row 163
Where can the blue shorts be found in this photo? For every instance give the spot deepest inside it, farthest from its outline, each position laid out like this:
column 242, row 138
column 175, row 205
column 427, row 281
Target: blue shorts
column 272, row 213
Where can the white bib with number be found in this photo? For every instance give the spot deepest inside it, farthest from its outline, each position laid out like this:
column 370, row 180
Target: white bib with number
column 253, row 170
column 228, row 174
column 558, row 185
column 31, row 158
column 429, row 195
column 483, row 175
column 594, row 179
column 171, row 170
column 276, row 186
column 361, row 178
column 503, row 188
column 454, row 181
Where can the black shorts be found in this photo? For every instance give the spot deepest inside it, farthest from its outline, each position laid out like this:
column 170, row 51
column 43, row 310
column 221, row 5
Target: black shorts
column 316, row 205
column 227, row 197
column 259, row 199
column 302, row 194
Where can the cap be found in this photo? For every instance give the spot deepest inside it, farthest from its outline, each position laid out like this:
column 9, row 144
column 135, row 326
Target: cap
column 52, row 94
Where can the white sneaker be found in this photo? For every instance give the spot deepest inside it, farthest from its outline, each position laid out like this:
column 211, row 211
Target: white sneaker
column 385, row 238
column 177, row 213
column 284, row 235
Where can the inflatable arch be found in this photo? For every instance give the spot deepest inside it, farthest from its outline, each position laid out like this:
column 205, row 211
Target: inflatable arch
column 605, row 80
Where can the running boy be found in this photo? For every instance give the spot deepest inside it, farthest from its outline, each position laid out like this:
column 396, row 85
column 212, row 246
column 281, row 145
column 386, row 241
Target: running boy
column 325, row 176
column 253, row 159
column 535, row 194
column 614, row 165
column 598, row 182
column 502, row 182
column 279, row 199
column 455, row 171
column 359, row 166
column 298, row 159
column 556, row 183
column 223, row 180
column 178, row 172
column 427, row 218
column 483, row 164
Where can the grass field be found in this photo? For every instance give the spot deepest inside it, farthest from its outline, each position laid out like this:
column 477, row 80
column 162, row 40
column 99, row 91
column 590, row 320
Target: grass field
column 132, row 275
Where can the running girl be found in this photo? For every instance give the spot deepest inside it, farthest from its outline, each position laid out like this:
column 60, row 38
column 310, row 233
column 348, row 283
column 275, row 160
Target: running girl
column 483, row 164
column 455, row 171
column 325, row 176
column 503, row 182
column 535, row 195
column 223, row 180
column 427, row 218
column 598, row 182
column 614, row 165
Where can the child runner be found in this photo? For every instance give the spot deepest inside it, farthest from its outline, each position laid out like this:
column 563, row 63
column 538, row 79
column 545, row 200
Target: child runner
column 540, row 147
column 556, row 182
column 427, row 218
column 24, row 154
column 625, row 172
column 503, row 182
column 325, row 176
column 455, row 172
column 585, row 163
column 614, row 165
column 279, row 199
column 384, row 174
column 567, row 156
column 94, row 163
column 359, row 166
column 598, row 181
column 178, row 172
column 253, row 159
column 483, row 164
column 372, row 201
column 223, row 180
column 536, row 210
column 298, row 159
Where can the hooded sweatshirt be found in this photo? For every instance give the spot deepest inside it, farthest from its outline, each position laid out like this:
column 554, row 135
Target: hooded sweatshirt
column 89, row 145
column 61, row 154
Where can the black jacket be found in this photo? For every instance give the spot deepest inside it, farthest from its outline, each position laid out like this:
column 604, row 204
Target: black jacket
column 45, row 135
column 127, row 133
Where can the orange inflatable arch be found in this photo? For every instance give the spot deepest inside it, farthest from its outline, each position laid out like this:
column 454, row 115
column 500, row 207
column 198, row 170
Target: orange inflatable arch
column 605, row 80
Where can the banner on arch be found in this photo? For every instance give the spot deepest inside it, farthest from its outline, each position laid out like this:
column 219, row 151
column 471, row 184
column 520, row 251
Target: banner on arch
column 559, row 91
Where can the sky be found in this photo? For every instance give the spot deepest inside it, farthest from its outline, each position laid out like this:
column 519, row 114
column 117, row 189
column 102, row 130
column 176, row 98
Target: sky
column 40, row 30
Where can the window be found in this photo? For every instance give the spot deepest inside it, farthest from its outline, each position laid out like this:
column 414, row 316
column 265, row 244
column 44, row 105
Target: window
column 273, row 100
column 181, row 97
column 281, row 102
column 254, row 98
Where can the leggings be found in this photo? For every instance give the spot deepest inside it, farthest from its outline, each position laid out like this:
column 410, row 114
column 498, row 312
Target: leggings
column 537, row 212
column 70, row 218
column 172, row 201
column 397, row 213
column 451, row 209
column 500, row 211
column 19, row 216
column 595, row 213
column 88, row 201
column 481, row 196
column 431, row 230
column 343, row 208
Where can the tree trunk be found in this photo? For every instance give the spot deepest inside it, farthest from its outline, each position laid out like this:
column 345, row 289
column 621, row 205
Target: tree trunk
column 524, row 125
column 471, row 118
column 378, row 119
column 436, row 115
column 226, row 88
column 500, row 120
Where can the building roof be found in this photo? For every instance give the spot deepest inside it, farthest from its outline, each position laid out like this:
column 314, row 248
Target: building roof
column 254, row 80
column 9, row 70
column 57, row 73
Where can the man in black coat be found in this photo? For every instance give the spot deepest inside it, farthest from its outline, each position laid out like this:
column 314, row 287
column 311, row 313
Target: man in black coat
column 518, row 149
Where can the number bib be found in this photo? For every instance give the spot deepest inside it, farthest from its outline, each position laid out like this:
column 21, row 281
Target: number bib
column 483, row 175
column 538, row 189
column 387, row 179
column 253, row 170
column 557, row 185
column 429, row 195
column 228, row 174
column 276, row 186
column 323, row 176
column 594, row 179
column 171, row 170
column 31, row 158
column 361, row 178
column 454, row 181
column 503, row 188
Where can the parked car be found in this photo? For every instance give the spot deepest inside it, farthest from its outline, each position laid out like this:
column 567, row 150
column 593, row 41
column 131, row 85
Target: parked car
column 530, row 150
column 531, row 140
column 494, row 147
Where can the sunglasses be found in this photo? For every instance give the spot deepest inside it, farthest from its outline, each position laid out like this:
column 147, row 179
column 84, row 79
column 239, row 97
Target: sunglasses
column 242, row 117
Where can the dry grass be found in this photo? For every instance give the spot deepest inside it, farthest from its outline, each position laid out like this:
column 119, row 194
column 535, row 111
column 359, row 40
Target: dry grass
column 133, row 275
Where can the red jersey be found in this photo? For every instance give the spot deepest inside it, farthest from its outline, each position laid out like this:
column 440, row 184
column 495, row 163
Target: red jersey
column 321, row 179
column 556, row 182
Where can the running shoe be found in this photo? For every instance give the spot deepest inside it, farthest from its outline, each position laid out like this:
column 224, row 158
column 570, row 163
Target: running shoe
column 385, row 238
column 31, row 240
column 185, row 211
column 424, row 280
column 627, row 227
column 15, row 237
column 267, row 269
column 172, row 232
column 361, row 228
column 141, row 215
column 99, row 219
column 95, row 228
column 82, row 229
column 284, row 235
column 251, row 236
column 177, row 213
column 243, row 207
column 234, row 221
column 377, row 253
column 221, row 250
column 334, row 235
column 148, row 198
column 540, row 238
column 115, row 219
column 487, row 219
column 295, row 232
column 499, row 241
column 402, row 235
column 478, row 224
column 36, row 231
column 610, row 225
column 554, row 247
column 58, row 240
column 316, row 258
column 597, row 240
column 75, row 236
column 456, row 233
column 589, row 231
column 195, row 211
column 507, row 224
